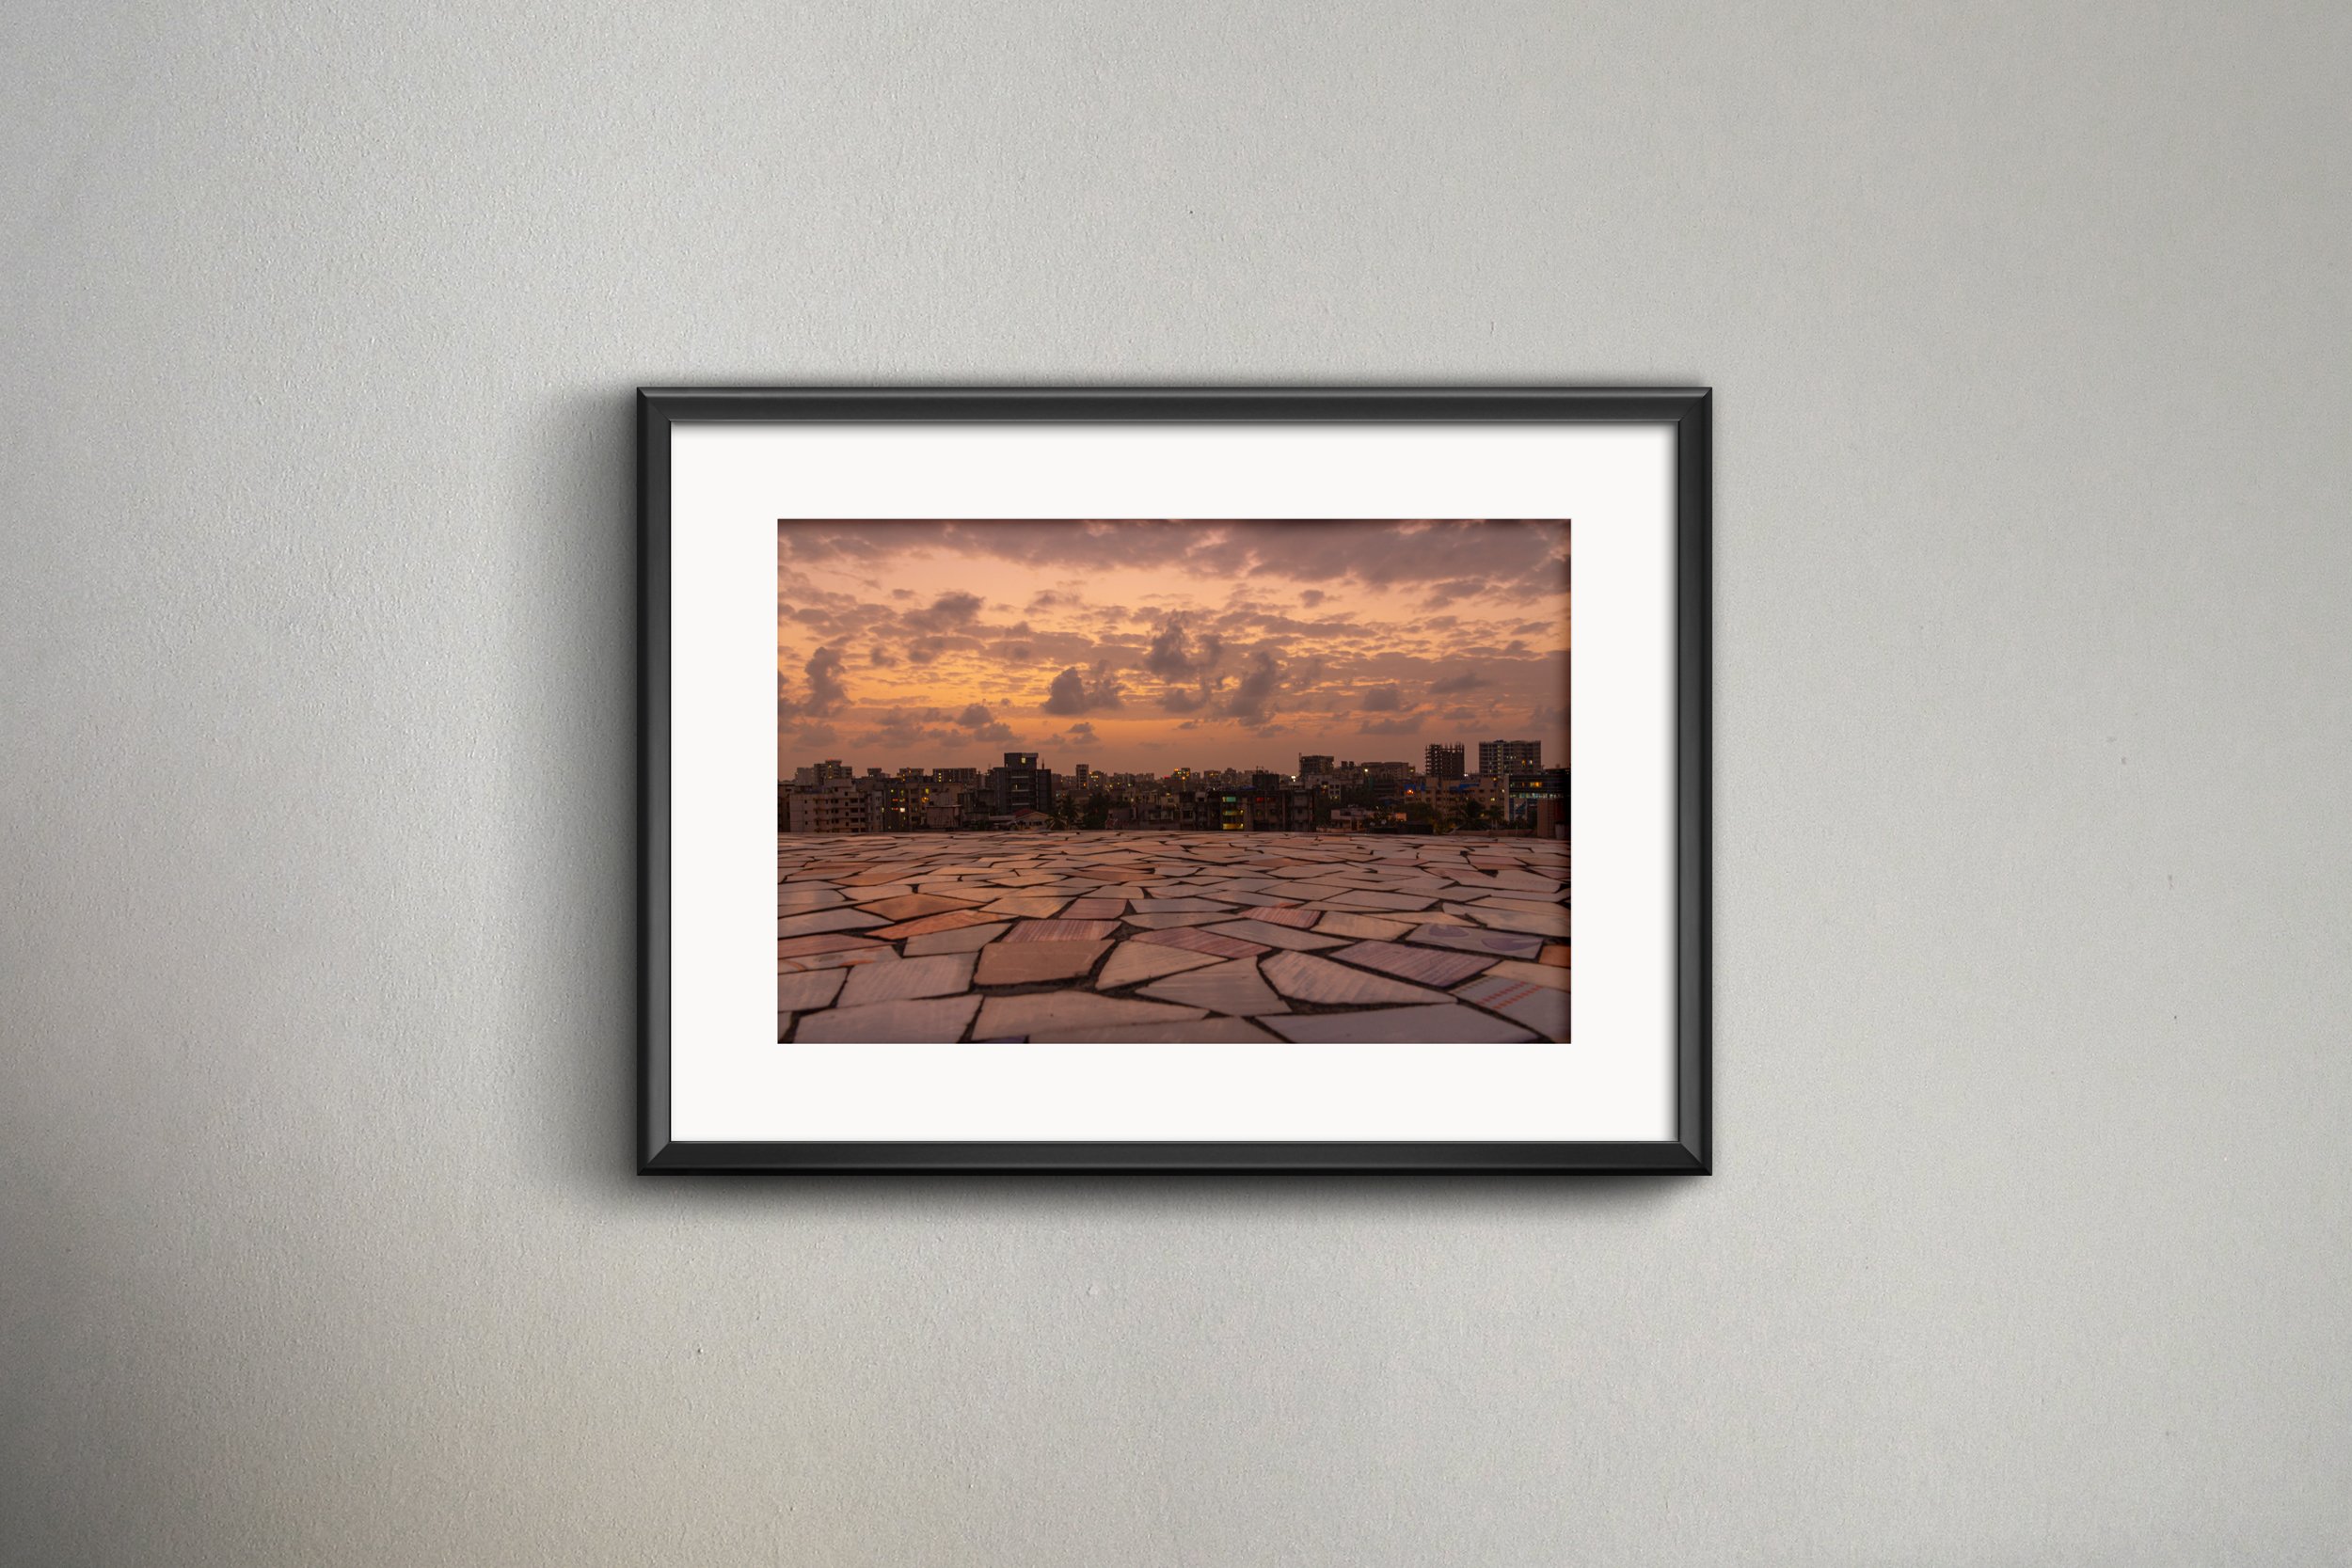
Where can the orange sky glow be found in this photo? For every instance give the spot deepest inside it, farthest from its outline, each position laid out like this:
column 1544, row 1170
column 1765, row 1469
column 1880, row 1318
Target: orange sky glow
column 1149, row 645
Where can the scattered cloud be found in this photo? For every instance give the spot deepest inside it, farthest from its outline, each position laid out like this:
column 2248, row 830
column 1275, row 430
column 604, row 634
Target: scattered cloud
column 949, row 610
column 1252, row 701
column 1409, row 723
column 1072, row 692
column 1317, row 631
column 1182, row 699
column 1176, row 655
column 825, row 691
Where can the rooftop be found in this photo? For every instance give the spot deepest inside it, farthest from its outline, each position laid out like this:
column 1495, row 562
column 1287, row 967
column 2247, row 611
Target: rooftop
column 1210, row 937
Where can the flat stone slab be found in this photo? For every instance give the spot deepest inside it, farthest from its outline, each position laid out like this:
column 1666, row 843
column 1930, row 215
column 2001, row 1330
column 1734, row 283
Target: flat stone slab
column 1554, row 953
column 1539, row 1007
column 1551, row 922
column 792, row 899
column 964, row 939
column 1208, row 1031
column 1431, row 1025
column 826, row 941
column 815, row 987
column 846, row 959
column 913, row 905
column 1211, row 942
column 1062, row 930
column 1094, row 909
column 1431, row 966
column 1477, row 939
column 1362, row 901
column 1176, row 922
column 1136, row 961
column 930, row 924
column 1550, row 976
column 1269, row 935
column 1304, row 977
column 1232, row 986
column 1069, row 1011
column 1178, row 906
column 1363, row 928
column 938, row 1019
column 939, row 974
column 1031, row 904
column 1029, row 963
column 1515, row 901
column 824, row 920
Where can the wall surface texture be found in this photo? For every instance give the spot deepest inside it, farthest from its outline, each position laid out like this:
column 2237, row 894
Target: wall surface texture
column 319, row 1240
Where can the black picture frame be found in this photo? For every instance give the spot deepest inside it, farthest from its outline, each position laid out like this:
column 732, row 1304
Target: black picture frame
column 1688, row 412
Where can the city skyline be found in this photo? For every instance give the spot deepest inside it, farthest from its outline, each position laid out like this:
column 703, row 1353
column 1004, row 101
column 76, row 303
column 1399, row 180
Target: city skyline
column 1147, row 645
column 850, row 767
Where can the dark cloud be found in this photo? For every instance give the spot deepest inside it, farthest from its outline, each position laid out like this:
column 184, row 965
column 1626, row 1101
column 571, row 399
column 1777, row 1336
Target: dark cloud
column 1469, row 680
column 1175, row 656
column 825, row 691
column 901, row 727
column 1182, row 699
column 1313, row 598
column 1479, row 555
column 1406, row 724
column 974, row 716
column 947, row 610
column 1252, row 700
column 880, row 658
column 1382, row 699
column 1072, row 692
column 1454, row 590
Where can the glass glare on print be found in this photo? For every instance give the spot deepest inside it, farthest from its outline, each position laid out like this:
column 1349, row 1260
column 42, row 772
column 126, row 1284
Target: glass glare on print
column 1159, row 780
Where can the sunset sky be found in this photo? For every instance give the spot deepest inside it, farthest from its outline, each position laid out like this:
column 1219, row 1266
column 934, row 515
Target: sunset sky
column 1145, row 647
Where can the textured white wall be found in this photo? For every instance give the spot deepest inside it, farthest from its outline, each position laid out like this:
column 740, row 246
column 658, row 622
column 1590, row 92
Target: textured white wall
column 318, row 1236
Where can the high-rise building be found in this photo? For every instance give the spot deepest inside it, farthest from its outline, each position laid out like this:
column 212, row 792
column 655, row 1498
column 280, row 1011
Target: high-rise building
column 1082, row 773
column 1510, row 756
column 1442, row 762
column 1310, row 766
column 1020, row 784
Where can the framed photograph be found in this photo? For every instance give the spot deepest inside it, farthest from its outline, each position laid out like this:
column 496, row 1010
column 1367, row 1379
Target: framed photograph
column 1174, row 780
